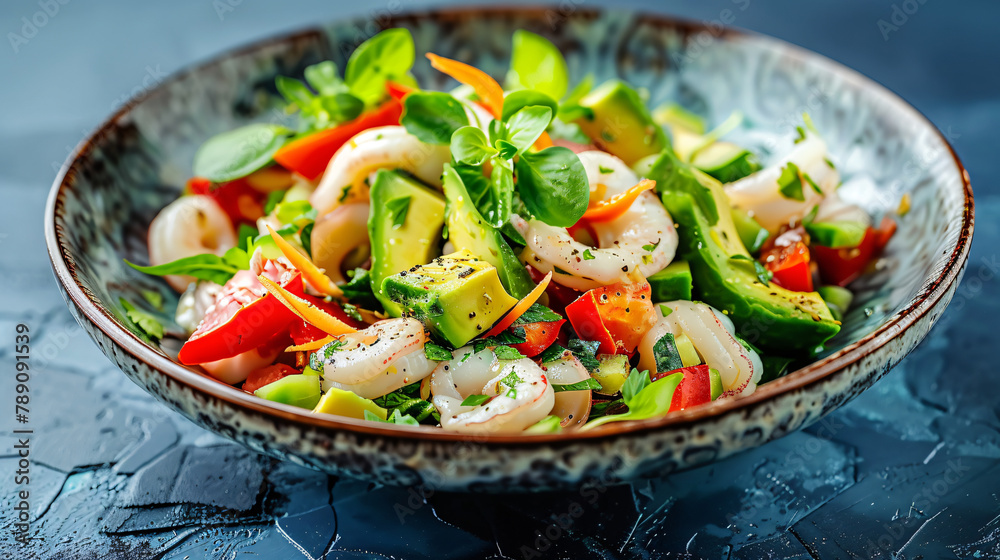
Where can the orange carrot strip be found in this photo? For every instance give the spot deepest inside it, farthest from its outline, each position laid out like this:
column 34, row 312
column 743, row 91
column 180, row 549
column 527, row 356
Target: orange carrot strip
column 310, row 346
column 488, row 90
column 312, row 273
column 521, row 307
column 305, row 310
column 607, row 210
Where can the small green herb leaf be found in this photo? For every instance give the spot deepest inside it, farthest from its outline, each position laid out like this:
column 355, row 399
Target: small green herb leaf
column 553, row 185
column 475, row 400
column 437, row 353
column 146, row 322
column 790, row 182
column 203, row 267
column 469, row 146
column 433, row 117
column 763, row 275
column 398, row 209
column 587, row 255
column 239, row 152
column 386, row 56
column 526, row 125
column 538, row 313
column 590, row 384
column 507, row 353
column 537, row 64
column 520, row 99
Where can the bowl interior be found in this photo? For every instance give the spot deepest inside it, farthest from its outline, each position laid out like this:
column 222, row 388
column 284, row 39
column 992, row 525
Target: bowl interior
column 138, row 162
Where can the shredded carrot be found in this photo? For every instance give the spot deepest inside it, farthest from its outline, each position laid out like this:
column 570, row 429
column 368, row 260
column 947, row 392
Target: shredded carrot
column 310, row 346
column 312, row 273
column 607, row 210
column 488, row 90
column 305, row 310
column 521, row 307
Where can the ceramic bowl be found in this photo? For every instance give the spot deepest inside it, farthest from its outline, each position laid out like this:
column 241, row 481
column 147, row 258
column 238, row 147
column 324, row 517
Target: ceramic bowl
column 137, row 161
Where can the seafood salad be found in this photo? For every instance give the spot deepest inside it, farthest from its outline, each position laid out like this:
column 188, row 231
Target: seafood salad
column 535, row 257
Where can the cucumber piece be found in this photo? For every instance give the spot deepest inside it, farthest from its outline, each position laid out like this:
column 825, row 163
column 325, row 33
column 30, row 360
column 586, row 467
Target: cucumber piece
column 689, row 356
column 547, row 425
column 836, row 235
column 837, row 299
column 726, row 161
column 751, row 233
column 296, row 390
column 716, row 380
column 611, row 372
column 671, row 283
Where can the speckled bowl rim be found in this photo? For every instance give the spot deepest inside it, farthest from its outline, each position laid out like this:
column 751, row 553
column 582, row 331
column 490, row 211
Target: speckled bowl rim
column 927, row 299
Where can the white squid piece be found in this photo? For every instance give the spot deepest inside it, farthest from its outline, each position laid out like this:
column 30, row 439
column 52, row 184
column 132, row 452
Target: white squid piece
column 378, row 360
column 712, row 334
column 520, row 392
column 623, row 242
column 189, row 226
column 194, row 303
column 760, row 193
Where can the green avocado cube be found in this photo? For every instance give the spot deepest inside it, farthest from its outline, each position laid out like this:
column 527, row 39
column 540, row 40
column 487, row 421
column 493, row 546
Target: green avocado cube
column 457, row 296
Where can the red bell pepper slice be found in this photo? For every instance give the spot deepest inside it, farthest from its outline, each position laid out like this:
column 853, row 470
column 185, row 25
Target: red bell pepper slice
column 617, row 316
column 244, row 317
column 559, row 296
column 308, row 156
column 267, row 375
column 241, row 202
column 539, row 336
column 397, row 91
column 302, row 332
column 695, row 387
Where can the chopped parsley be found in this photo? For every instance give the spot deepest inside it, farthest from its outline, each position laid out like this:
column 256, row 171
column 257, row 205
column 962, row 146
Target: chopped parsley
column 585, row 385
column 398, row 208
column 436, row 352
column 605, row 170
column 587, row 255
column 146, row 322
column 507, row 353
column 475, row 400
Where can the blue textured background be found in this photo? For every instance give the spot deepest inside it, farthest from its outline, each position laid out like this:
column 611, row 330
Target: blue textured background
column 908, row 470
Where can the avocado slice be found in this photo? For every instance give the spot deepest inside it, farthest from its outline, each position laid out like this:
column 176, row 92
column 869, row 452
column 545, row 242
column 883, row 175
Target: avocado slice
column 671, row 283
column 457, row 296
column 621, row 124
column 345, row 403
column 467, row 229
column 296, row 390
column 415, row 241
column 769, row 316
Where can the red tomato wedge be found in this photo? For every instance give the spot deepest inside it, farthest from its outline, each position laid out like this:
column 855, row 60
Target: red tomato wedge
column 843, row 266
column 267, row 375
column 539, row 337
column 308, row 156
column 695, row 387
column 617, row 316
column 788, row 257
column 244, row 317
column 614, row 207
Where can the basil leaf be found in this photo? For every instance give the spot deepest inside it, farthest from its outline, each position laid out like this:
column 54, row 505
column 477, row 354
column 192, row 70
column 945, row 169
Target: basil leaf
column 203, row 267
column 538, row 313
column 470, row 146
column 634, row 383
column 507, row 353
column 515, row 101
column 388, row 55
column 335, row 109
column 526, row 125
column 146, row 322
column 325, row 78
column 475, row 400
column 246, row 234
column 666, row 355
column 585, row 385
column 237, row 257
column 790, row 182
column 505, row 149
column 238, row 153
column 294, row 91
column 433, row 116
column 398, row 209
column 553, row 185
column 536, row 63
column 652, row 401
column 437, row 353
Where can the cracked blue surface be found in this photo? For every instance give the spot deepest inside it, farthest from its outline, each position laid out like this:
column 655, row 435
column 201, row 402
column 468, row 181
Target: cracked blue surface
column 908, row 470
